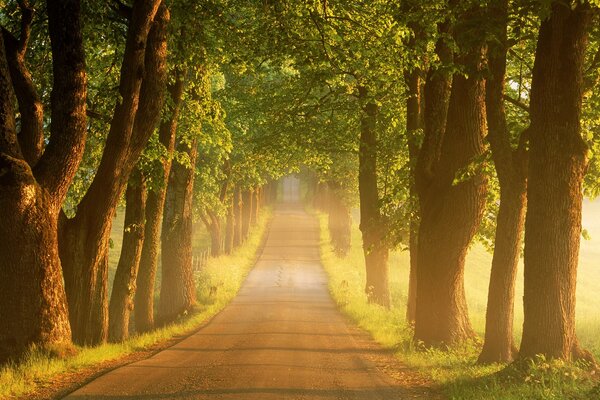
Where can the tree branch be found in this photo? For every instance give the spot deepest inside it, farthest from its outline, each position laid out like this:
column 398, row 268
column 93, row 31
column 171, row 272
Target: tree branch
column 517, row 103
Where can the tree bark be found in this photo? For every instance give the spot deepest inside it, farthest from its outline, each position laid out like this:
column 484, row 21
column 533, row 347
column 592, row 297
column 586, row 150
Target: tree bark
column 372, row 226
column 511, row 169
column 144, row 294
column 229, row 228
column 557, row 165
column 450, row 211
column 238, row 232
column 339, row 223
column 84, row 239
column 33, row 307
column 31, row 135
column 414, row 128
column 213, row 225
column 121, row 299
column 178, row 291
column 255, row 206
column 246, row 213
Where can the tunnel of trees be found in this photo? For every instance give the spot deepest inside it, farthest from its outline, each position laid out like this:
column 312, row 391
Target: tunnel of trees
column 438, row 122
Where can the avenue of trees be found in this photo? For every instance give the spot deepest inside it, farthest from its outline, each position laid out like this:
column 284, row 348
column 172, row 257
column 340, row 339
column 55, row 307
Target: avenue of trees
column 442, row 122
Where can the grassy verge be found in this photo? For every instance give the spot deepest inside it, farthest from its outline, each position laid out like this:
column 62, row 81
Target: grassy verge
column 218, row 283
column 455, row 370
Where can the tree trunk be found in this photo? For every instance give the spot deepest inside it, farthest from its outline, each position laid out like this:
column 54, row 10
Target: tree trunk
column 178, row 291
column 229, row 229
column 33, row 307
column 414, row 127
column 255, row 206
column 121, row 299
column 511, row 169
column 31, row 109
column 246, row 213
column 339, row 224
column 84, row 239
column 450, row 211
column 213, row 224
column 371, row 224
column 557, row 166
column 144, row 294
column 238, row 232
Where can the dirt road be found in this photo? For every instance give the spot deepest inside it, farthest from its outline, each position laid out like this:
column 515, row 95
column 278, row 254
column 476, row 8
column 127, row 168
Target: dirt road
column 281, row 338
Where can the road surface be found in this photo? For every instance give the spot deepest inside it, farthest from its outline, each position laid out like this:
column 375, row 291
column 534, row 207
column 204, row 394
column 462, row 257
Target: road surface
column 281, row 338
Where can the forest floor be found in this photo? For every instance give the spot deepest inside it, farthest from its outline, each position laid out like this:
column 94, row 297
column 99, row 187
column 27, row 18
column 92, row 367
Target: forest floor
column 282, row 337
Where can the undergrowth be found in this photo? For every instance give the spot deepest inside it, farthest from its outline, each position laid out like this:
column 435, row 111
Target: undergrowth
column 217, row 284
column 455, row 371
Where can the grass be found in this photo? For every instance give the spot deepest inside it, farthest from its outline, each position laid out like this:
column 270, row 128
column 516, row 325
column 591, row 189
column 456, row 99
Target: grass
column 455, row 371
column 39, row 369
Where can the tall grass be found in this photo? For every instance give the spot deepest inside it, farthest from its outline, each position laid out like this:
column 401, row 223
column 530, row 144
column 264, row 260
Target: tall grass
column 217, row 284
column 454, row 370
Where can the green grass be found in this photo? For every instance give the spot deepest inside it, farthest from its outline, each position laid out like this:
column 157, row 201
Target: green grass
column 39, row 369
column 455, row 370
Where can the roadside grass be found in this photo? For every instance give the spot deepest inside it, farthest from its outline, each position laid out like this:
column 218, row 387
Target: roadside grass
column 455, row 370
column 217, row 284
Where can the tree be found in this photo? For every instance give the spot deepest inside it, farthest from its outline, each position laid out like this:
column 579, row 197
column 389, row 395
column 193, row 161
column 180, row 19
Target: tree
column 121, row 299
column 511, row 168
column 33, row 185
column 450, row 184
column 84, row 238
column 557, row 165
column 144, row 294
column 178, row 290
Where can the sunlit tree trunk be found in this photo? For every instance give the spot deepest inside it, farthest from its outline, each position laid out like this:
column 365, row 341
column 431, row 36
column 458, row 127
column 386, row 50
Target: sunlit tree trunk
column 246, row 213
column 144, row 294
column 414, row 128
column 33, row 307
column 557, row 166
column 121, row 299
column 84, row 239
column 451, row 210
column 371, row 224
column 178, row 291
column 229, row 229
column 511, row 170
column 238, row 232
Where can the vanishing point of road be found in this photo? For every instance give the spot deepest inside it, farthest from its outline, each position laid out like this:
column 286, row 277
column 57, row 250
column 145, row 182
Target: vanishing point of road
column 280, row 338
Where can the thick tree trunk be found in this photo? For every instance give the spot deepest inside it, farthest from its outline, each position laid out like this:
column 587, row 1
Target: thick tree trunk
column 229, row 229
column 121, row 299
column 246, row 213
column 511, row 169
column 33, row 307
column 144, row 294
column 238, row 232
column 557, row 166
column 84, row 239
column 450, row 211
column 371, row 225
column 414, row 127
column 178, row 291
